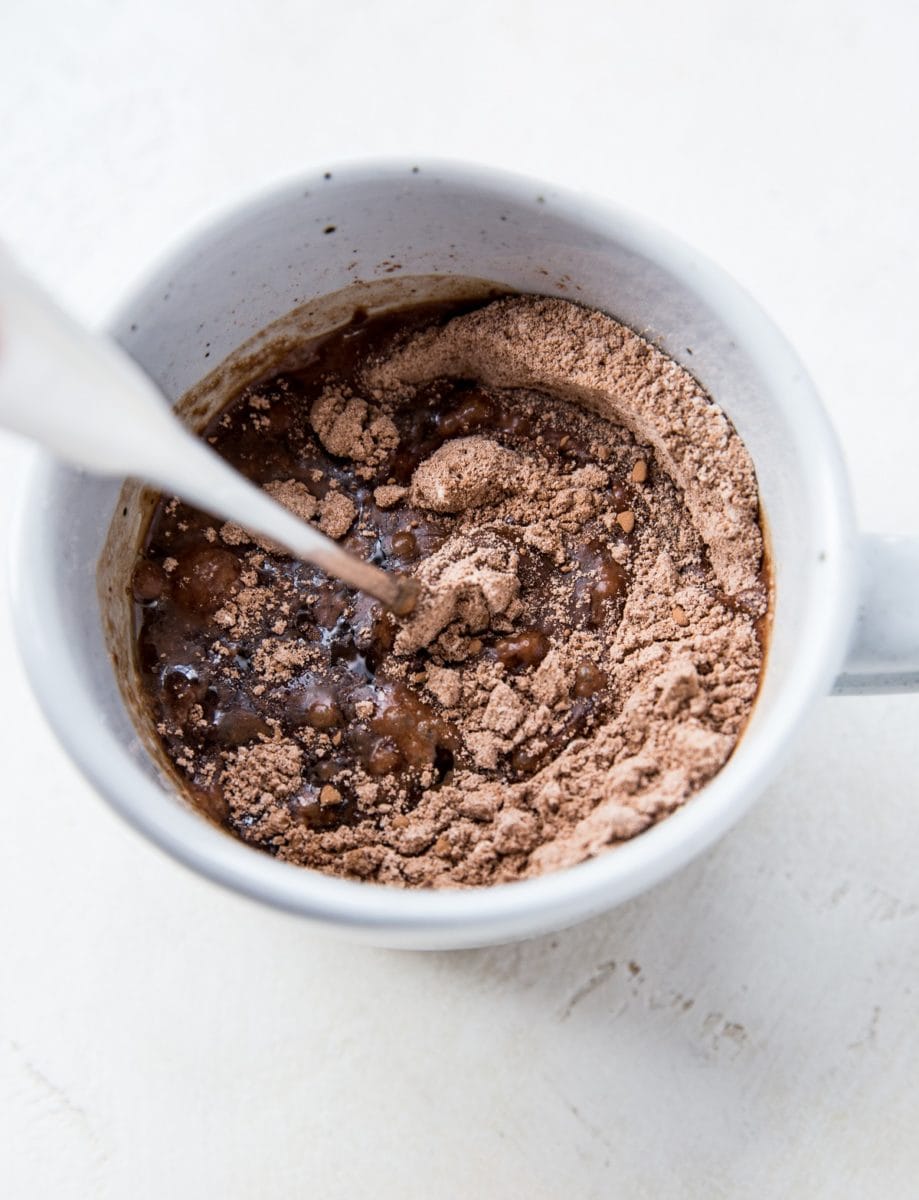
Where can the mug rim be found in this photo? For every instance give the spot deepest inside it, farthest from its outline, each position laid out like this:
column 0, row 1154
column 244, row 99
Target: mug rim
column 473, row 916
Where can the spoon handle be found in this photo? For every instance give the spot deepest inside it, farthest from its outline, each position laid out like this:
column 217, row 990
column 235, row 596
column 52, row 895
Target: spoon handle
column 87, row 401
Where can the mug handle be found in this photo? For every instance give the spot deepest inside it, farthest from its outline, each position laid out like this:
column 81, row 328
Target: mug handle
column 884, row 653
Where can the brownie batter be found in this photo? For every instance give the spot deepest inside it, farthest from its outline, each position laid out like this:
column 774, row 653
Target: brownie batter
column 587, row 645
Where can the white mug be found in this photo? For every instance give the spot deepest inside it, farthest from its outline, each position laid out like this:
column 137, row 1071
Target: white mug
column 846, row 606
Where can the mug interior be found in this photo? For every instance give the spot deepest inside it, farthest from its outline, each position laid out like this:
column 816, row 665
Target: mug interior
column 380, row 237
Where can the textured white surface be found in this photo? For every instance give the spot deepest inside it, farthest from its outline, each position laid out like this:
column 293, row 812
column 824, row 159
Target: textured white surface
column 747, row 1030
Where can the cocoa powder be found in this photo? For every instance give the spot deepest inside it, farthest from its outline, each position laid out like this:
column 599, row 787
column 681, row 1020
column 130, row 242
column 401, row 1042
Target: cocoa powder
column 587, row 640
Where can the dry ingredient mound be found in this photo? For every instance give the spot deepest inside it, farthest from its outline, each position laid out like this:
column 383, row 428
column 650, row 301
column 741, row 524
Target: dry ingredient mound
column 587, row 645
column 588, row 357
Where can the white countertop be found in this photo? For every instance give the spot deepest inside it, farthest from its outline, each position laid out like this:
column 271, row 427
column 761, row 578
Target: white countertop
column 749, row 1029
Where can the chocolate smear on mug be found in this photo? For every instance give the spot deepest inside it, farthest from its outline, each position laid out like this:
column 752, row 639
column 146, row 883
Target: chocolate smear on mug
column 588, row 639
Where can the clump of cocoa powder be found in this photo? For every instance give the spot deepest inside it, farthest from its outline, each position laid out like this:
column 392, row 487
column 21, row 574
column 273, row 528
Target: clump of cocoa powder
column 465, row 473
column 585, row 651
column 349, row 427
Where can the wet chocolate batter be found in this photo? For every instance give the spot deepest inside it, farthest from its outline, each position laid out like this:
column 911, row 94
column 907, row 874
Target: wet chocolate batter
column 241, row 647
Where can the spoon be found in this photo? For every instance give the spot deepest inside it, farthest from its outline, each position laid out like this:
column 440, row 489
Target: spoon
column 88, row 402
